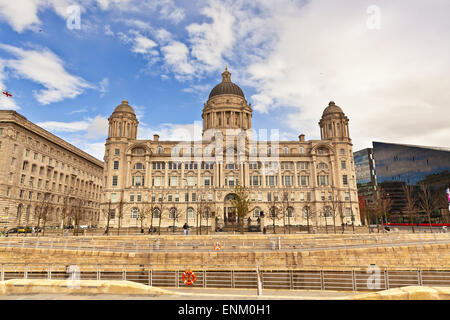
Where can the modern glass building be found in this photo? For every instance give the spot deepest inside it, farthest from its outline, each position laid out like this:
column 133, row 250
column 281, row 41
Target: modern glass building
column 390, row 166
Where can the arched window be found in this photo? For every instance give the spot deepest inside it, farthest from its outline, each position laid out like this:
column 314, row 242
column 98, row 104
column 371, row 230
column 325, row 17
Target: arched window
column 138, row 151
column 256, row 212
column 206, row 213
column 190, row 213
column 19, row 212
column 321, row 151
column 290, row 212
column 273, row 212
column 156, row 213
column 307, row 212
column 285, row 150
column 173, row 213
column 134, row 213
column 328, row 212
column 27, row 216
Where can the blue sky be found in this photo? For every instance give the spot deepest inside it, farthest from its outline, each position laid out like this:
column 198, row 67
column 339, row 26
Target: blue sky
column 384, row 63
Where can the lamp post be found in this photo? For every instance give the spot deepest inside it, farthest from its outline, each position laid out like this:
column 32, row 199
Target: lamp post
column 351, row 209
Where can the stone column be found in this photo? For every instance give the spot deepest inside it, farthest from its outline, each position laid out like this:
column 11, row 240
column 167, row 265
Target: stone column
column 166, row 174
column 128, row 173
column 280, row 182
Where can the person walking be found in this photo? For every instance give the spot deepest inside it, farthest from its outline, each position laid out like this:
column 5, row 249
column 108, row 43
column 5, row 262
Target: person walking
column 185, row 227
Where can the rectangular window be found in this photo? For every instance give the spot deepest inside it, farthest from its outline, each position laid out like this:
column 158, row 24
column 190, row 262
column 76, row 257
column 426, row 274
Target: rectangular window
column 138, row 181
column 302, row 196
column 139, row 197
column 207, row 181
column 112, row 214
column 345, row 180
column 116, row 165
column 116, row 152
column 169, row 197
column 173, row 182
column 194, row 197
column 177, row 197
column 131, row 197
column 114, row 181
column 343, row 165
column 269, row 196
column 186, row 197
column 347, row 196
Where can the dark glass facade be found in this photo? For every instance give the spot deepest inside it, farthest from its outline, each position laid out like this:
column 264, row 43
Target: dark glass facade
column 396, row 165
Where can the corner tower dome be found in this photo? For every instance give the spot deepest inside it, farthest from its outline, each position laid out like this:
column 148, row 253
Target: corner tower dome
column 124, row 107
column 226, row 86
column 332, row 108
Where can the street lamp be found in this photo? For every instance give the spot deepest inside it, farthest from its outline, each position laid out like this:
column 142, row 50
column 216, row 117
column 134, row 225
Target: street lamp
column 351, row 209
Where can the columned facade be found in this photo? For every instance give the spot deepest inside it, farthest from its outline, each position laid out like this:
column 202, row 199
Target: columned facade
column 188, row 181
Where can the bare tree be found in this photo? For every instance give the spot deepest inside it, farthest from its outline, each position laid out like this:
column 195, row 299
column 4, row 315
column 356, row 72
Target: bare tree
column 202, row 206
column 411, row 204
column 161, row 213
column 145, row 211
column 108, row 213
column 382, row 205
column 274, row 210
column 43, row 209
column 241, row 204
column 334, row 205
column 286, row 210
column 76, row 213
column 308, row 213
column 120, row 207
column 427, row 202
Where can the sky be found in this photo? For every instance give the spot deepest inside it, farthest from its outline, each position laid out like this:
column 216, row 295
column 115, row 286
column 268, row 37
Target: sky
column 69, row 63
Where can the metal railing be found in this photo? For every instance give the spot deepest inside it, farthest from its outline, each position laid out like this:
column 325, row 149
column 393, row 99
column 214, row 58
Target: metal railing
column 343, row 279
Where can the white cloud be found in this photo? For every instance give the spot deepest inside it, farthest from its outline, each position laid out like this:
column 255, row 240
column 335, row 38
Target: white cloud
column 176, row 55
column 57, row 126
column 103, row 87
column 209, row 41
column 172, row 132
column 20, row 14
column 45, row 68
column 89, row 134
column 144, row 45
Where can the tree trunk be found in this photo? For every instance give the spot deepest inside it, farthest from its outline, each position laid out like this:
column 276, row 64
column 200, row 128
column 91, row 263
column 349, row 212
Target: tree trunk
column 159, row 223
column 307, row 223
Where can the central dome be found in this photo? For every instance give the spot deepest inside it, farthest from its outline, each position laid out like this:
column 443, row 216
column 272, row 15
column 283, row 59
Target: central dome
column 226, row 87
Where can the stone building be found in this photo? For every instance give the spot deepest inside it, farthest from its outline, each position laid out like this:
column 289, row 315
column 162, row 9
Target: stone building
column 45, row 178
column 297, row 182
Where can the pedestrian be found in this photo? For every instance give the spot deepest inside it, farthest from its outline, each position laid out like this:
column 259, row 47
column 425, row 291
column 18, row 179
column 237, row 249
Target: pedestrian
column 264, row 230
column 185, row 227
